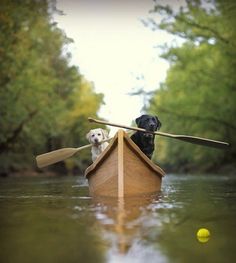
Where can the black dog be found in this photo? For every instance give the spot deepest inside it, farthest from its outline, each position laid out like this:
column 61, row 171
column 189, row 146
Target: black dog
column 145, row 141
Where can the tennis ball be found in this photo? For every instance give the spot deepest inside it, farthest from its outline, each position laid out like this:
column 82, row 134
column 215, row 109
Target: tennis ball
column 203, row 233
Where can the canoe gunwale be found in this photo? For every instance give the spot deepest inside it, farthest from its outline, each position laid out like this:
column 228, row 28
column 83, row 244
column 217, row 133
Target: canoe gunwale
column 98, row 162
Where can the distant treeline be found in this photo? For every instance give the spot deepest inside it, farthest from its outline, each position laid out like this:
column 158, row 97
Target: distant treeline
column 44, row 100
column 198, row 96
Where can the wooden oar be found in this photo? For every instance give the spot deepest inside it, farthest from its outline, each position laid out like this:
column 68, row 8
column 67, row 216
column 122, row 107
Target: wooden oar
column 59, row 155
column 186, row 138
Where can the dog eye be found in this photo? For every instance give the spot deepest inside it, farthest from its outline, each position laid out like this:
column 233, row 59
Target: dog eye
column 93, row 135
column 99, row 134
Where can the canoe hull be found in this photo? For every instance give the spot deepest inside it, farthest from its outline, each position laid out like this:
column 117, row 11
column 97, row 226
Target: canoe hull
column 123, row 170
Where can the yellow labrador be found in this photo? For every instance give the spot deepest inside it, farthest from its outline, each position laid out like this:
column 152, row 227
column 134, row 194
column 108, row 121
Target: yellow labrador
column 95, row 137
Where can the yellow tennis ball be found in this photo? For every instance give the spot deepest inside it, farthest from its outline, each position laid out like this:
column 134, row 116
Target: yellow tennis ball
column 203, row 233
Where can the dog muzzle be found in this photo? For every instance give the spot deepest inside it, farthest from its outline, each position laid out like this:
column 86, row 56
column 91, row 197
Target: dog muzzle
column 148, row 135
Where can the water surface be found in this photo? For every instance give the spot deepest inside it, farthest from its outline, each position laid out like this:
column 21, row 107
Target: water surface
column 53, row 219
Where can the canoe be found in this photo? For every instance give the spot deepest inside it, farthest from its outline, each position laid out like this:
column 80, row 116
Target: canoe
column 123, row 170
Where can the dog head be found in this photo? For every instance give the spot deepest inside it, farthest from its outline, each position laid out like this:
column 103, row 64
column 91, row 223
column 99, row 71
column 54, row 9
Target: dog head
column 96, row 136
column 149, row 123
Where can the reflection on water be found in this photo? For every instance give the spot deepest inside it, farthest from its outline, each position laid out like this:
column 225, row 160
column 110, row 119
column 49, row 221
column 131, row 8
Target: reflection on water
column 54, row 220
column 125, row 223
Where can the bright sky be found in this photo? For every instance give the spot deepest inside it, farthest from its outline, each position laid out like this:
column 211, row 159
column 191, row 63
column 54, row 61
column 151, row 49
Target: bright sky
column 112, row 48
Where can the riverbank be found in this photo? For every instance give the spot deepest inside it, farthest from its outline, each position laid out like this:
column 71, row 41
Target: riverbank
column 29, row 173
column 228, row 169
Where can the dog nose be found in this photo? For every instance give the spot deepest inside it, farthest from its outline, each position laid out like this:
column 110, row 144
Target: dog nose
column 96, row 140
column 152, row 125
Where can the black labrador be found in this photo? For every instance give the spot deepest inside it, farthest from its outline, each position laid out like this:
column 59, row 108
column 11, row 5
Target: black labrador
column 145, row 141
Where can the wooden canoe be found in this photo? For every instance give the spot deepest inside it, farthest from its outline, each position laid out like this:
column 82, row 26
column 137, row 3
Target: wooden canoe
column 123, row 170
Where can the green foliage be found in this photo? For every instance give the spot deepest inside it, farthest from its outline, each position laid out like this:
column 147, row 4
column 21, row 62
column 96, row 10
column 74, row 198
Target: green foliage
column 198, row 96
column 39, row 90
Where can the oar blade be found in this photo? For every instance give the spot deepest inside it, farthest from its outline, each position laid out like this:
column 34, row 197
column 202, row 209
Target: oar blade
column 54, row 156
column 203, row 141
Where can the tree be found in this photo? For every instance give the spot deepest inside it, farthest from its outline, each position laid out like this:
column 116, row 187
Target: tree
column 198, row 96
column 38, row 87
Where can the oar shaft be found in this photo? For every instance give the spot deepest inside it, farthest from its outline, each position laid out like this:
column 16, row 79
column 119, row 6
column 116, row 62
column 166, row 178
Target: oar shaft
column 123, row 126
column 186, row 138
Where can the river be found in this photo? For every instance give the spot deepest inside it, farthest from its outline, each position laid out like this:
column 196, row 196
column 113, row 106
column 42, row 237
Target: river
column 53, row 219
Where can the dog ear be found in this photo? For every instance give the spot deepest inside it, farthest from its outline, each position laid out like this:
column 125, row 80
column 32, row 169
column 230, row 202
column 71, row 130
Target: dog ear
column 105, row 134
column 138, row 120
column 158, row 123
column 88, row 136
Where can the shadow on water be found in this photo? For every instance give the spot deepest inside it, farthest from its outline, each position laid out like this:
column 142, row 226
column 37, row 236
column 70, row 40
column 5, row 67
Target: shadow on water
column 54, row 220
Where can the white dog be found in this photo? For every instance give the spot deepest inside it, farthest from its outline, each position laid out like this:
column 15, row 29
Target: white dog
column 95, row 137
